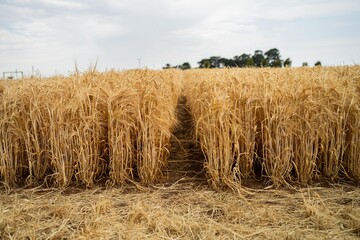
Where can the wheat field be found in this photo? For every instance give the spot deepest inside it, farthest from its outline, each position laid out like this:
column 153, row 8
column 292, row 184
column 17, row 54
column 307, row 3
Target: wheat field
column 271, row 154
column 285, row 126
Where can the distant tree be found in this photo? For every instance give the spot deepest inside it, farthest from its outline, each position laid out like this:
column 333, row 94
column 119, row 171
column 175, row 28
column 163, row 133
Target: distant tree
column 318, row 63
column 250, row 63
column 240, row 61
column 215, row 62
column 258, row 58
column 204, row 63
column 273, row 57
column 287, row 62
column 185, row 66
column 265, row 63
column 207, row 64
column 167, row 66
column 224, row 62
column 212, row 62
column 278, row 63
column 305, row 64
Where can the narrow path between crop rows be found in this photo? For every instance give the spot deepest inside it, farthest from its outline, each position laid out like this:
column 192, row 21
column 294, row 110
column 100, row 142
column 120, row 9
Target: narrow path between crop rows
column 186, row 158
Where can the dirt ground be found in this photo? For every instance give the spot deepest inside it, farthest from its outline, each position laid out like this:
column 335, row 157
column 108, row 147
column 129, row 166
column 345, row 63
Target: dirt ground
column 181, row 206
column 184, row 210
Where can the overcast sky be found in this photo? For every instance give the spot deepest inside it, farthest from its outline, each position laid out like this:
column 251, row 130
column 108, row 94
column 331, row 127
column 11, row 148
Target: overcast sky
column 52, row 34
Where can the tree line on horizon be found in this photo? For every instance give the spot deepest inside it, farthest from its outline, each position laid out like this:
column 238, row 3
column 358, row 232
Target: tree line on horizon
column 270, row 58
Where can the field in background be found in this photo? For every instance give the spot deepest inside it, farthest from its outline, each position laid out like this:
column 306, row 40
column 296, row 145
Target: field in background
column 126, row 137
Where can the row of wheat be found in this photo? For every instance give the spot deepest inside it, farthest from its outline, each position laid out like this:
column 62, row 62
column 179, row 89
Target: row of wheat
column 87, row 127
column 289, row 125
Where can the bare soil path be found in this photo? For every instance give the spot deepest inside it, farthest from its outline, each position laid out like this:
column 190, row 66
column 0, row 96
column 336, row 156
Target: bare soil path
column 186, row 158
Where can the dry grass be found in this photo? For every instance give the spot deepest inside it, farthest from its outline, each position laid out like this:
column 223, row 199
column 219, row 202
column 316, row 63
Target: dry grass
column 289, row 125
column 184, row 211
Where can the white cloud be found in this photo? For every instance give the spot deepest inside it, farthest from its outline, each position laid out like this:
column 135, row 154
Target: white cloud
column 295, row 9
column 36, row 28
column 53, row 33
column 63, row 4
